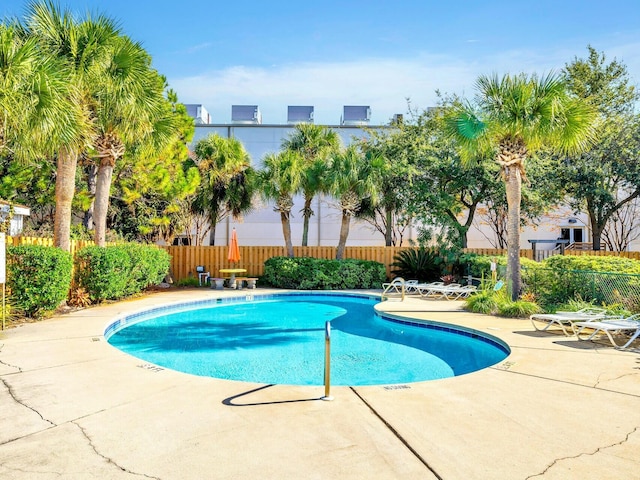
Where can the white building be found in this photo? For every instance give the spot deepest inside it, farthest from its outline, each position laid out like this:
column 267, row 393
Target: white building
column 15, row 215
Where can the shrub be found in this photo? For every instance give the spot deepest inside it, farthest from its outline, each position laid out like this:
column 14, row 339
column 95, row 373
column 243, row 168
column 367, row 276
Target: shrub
column 108, row 273
column 493, row 302
column 484, row 301
column 39, row 278
column 188, row 282
column 312, row 273
column 149, row 266
column 518, row 308
column 421, row 264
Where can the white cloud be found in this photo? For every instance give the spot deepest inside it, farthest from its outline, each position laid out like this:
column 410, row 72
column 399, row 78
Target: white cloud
column 382, row 83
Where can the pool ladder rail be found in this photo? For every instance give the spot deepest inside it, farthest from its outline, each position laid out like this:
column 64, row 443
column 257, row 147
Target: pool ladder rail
column 394, row 290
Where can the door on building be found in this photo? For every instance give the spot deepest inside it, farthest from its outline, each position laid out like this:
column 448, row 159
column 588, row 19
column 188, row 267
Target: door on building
column 573, row 234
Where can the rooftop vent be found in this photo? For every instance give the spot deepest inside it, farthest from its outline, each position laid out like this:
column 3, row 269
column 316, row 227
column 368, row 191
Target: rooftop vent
column 356, row 115
column 246, row 114
column 199, row 114
column 299, row 114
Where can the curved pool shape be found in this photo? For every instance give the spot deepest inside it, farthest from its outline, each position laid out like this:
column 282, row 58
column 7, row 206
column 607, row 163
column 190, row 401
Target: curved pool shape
column 279, row 339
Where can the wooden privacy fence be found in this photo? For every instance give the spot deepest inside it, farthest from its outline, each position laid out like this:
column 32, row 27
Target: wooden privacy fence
column 48, row 242
column 185, row 259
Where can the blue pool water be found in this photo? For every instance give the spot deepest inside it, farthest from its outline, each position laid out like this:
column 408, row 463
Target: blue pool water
column 279, row 339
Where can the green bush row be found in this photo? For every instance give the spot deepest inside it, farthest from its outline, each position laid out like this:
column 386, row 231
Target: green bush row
column 38, row 278
column 313, row 273
column 119, row 271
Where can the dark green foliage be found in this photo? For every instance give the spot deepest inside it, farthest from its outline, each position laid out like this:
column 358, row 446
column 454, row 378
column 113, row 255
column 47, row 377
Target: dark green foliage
column 39, row 278
column 498, row 302
column 593, row 263
column 312, row 273
column 423, row 264
column 603, row 280
column 149, row 266
column 108, row 273
column 484, row 301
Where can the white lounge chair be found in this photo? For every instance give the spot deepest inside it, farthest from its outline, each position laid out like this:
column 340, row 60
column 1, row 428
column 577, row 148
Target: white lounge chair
column 448, row 292
column 612, row 327
column 394, row 286
column 423, row 288
column 566, row 320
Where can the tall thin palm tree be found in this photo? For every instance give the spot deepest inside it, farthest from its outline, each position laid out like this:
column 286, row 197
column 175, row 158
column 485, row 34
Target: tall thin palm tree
column 514, row 116
column 227, row 180
column 35, row 113
column 84, row 47
column 280, row 179
column 129, row 108
column 352, row 177
column 314, row 143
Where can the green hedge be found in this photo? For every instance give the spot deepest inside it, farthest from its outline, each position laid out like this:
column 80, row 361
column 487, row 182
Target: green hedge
column 109, row 273
column 593, row 263
column 602, row 280
column 312, row 273
column 39, row 278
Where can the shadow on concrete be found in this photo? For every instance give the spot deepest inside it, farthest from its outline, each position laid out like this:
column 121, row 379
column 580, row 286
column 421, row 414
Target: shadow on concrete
column 230, row 401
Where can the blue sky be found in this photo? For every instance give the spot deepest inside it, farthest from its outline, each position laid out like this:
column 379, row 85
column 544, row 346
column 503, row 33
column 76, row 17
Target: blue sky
column 378, row 53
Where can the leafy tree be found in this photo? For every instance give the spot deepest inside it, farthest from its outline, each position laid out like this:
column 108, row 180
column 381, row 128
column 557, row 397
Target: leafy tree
column 154, row 190
column 388, row 213
column 354, row 175
column 606, row 177
column 228, row 180
column 314, row 143
column 280, row 179
column 514, row 116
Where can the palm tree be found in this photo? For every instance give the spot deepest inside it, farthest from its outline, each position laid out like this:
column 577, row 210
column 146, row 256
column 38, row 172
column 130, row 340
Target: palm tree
column 352, row 178
column 36, row 115
column 279, row 180
column 314, row 143
column 129, row 108
column 515, row 116
column 84, row 47
column 227, row 180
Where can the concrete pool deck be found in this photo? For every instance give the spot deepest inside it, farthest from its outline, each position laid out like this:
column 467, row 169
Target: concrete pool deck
column 73, row 407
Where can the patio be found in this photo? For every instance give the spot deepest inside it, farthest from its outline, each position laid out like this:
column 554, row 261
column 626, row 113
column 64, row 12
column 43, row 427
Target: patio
column 72, row 406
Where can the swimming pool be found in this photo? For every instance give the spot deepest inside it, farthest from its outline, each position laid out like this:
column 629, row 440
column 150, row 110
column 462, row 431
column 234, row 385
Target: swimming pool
column 279, row 339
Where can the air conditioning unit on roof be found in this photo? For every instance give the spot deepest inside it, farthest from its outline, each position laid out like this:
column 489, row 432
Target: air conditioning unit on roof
column 356, row 115
column 249, row 114
column 299, row 114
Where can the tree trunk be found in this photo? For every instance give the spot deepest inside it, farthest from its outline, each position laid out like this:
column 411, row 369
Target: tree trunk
column 101, row 202
column 307, row 212
column 344, row 233
column 212, row 232
column 65, row 189
column 388, row 231
column 286, row 232
column 462, row 233
column 513, row 180
column 92, row 172
column 596, row 236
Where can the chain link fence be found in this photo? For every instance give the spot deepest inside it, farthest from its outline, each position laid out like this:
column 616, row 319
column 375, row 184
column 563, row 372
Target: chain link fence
column 553, row 286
